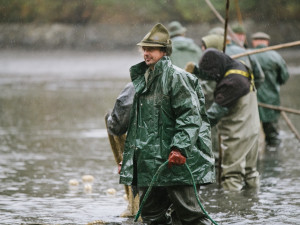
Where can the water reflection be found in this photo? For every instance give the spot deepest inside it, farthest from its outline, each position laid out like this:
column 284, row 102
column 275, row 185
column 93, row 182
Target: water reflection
column 52, row 130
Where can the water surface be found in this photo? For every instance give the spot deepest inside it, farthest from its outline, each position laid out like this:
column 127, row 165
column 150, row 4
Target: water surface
column 52, row 107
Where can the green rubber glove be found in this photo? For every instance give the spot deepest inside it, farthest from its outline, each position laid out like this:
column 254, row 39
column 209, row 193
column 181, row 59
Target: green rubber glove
column 216, row 112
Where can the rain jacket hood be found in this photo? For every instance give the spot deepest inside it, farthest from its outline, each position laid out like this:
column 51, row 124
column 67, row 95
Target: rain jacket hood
column 213, row 41
column 184, row 50
column 182, row 43
column 168, row 111
column 214, row 65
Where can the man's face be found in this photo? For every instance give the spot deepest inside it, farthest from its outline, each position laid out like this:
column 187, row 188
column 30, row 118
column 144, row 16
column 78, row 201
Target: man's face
column 152, row 55
column 241, row 37
column 257, row 42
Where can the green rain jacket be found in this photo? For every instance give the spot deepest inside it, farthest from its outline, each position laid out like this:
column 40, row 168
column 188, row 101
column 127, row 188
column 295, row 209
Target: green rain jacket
column 168, row 111
column 184, row 50
column 276, row 74
column 250, row 61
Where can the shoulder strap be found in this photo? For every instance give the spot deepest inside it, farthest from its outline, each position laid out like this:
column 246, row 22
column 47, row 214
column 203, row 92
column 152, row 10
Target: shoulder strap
column 243, row 73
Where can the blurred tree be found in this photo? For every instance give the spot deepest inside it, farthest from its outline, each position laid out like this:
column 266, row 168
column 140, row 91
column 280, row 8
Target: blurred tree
column 139, row 11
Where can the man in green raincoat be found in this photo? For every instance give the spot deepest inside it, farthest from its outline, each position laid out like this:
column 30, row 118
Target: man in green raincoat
column 276, row 74
column 168, row 121
column 184, row 49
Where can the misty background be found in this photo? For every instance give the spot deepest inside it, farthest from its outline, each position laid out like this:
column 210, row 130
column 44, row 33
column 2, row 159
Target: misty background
column 119, row 25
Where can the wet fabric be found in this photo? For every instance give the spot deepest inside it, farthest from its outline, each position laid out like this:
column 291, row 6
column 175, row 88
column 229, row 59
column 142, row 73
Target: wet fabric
column 239, row 132
column 214, row 65
column 271, row 133
column 250, row 61
column 208, row 87
column 239, row 126
column 168, row 111
column 155, row 209
column 276, row 74
column 184, row 50
column 118, row 120
column 217, row 41
column 215, row 113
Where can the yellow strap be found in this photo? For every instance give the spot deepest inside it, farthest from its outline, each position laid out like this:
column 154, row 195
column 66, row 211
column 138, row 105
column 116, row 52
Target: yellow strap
column 252, row 86
column 241, row 72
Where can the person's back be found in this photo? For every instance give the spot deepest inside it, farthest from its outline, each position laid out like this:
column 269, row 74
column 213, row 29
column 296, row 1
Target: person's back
column 276, row 74
column 235, row 106
column 183, row 49
column 233, row 49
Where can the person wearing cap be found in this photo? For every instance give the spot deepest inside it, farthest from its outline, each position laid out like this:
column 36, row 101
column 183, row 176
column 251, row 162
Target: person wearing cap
column 232, row 48
column 217, row 31
column 168, row 121
column 184, row 49
column 212, row 41
column 240, row 34
column 234, row 111
column 276, row 74
column 215, row 40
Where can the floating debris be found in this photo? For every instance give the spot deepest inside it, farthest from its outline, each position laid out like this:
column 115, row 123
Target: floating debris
column 73, row 182
column 88, row 188
column 111, row 191
column 87, row 179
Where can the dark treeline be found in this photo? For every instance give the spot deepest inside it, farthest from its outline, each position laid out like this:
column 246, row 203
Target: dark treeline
column 142, row 11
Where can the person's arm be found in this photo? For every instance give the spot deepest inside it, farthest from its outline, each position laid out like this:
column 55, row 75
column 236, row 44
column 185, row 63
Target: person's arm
column 193, row 68
column 186, row 108
column 216, row 112
column 118, row 120
column 259, row 75
column 282, row 71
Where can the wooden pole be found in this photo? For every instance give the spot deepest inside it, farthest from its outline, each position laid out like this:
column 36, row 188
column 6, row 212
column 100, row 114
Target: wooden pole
column 240, row 19
column 283, row 114
column 220, row 161
column 279, row 108
column 117, row 146
column 274, row 47
column 225, row 25
column 291, row 126
column 238, row 12
column 217, row 14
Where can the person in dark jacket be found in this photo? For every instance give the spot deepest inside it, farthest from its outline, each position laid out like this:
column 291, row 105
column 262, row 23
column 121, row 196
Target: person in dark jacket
column 168, row 121
column 235, row 111
column 118, row 119
column 276, row 74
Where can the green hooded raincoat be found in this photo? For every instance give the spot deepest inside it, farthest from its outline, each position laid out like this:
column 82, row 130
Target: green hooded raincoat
column 276, row 74
column 184, row 50
column 168, row 111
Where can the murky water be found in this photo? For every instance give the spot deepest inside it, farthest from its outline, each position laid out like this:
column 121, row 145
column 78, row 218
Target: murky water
column 52, row 107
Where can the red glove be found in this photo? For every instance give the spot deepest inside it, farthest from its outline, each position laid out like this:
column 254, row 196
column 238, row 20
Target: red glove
column 176, row 158
column 119, row 167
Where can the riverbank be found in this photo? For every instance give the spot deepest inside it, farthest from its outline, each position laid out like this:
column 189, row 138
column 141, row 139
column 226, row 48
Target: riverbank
column 107, row 37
